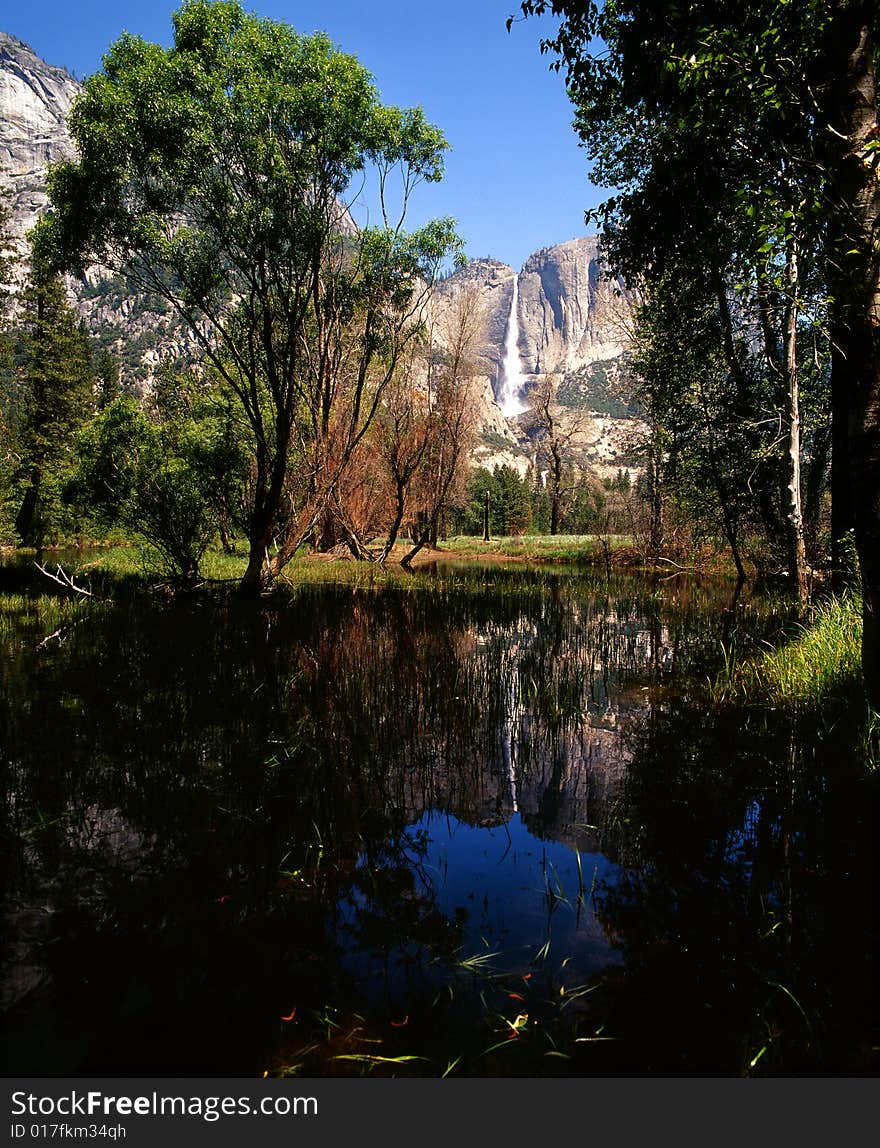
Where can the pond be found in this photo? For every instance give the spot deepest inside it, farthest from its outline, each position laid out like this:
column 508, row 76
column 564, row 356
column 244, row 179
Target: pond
column 475, row 822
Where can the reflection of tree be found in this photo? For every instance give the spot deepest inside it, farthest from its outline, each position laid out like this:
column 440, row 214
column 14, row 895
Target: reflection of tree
column 739, row 913
column 191, row 791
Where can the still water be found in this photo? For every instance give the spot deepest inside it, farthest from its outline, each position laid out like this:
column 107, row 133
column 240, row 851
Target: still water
column 476, row 822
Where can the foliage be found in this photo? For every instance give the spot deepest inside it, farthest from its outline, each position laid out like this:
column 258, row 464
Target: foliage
column 47, row 399
column 218, row 175
column 741, row 141
column 510, row 510
column 7, row 384
column 169, row 476
column 603, row 386
column 818, row 666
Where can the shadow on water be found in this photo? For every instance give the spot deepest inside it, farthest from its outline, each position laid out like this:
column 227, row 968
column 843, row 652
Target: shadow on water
column 469, row 823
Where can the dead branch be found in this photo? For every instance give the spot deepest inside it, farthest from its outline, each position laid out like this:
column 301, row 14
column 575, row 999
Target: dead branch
column 59, row 634
column 679, row 569
column 64, row 580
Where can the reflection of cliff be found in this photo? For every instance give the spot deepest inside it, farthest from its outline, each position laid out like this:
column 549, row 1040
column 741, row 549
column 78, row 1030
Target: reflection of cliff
column 568, row 794
column 484, row 717
column 388, row 701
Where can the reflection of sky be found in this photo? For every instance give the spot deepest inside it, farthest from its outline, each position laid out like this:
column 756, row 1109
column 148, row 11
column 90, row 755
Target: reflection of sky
column 512, row 893
column 517, row 891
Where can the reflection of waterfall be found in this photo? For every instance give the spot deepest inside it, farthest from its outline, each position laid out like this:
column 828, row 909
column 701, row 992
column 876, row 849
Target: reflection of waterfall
column 513, row 711
column 508, row 756
column 512, row 381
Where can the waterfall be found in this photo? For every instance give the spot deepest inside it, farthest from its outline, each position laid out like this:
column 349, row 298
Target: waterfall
column 512, row 381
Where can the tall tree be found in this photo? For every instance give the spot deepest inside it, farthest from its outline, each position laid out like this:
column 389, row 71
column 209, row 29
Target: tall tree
column 7, row 375
column 219, row 175
column 760, row 120
column 54, row 365
column 852, row 136
column 553, row 436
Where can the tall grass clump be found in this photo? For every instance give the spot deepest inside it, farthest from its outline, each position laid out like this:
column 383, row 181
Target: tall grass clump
column 816, row 673
column 820, row 664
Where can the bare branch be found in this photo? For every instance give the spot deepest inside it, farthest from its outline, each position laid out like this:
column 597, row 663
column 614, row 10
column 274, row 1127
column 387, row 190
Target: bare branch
column 64, row 580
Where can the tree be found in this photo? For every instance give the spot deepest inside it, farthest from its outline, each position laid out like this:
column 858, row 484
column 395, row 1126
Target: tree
column 543, row 422
column 698, row 446
column 218, row 174
column 55, row 368
column 750, row 130
column 168, row 472
column 449, row 419
column 7, row 377
column 512, row 508
column 852, row 136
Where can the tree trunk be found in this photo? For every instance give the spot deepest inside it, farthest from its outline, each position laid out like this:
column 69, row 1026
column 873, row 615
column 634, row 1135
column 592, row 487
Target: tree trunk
column 656, row 488
column 557, row 489
column 252, row 581
column 399, row 512
column 842, row 509
column 728, row 516
column 26, row 519
column 855, row 287
column 794, row 518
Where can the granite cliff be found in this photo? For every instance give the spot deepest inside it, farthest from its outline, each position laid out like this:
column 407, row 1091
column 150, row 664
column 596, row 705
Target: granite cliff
column 35, row 99
column 573, row 323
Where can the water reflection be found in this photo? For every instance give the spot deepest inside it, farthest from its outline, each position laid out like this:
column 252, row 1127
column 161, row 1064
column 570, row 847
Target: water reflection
column 459, row 818
column 504, row 895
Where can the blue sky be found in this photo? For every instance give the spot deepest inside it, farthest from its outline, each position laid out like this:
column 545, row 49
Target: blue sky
column 516, row 179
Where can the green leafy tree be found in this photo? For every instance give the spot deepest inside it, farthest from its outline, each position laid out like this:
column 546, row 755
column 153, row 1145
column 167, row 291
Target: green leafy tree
column 218, row 175
column 109, row 386
column 513, row 508
column 742, row 139
column 8, row 384
column 167, row 474
column 468, row 519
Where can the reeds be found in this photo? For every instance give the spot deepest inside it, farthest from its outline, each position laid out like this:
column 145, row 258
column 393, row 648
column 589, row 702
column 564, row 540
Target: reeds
column 816, row 673
column 820, row 662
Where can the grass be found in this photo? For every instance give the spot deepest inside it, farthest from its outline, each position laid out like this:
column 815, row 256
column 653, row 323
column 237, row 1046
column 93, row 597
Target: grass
column 524, row 1020
column 816, row 673
column 821, row 662
column 539, row 547
column 129, row 562
column 45, row 618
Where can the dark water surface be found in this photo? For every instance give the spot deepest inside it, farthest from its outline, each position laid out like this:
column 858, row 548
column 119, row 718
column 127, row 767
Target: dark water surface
column 477, row 822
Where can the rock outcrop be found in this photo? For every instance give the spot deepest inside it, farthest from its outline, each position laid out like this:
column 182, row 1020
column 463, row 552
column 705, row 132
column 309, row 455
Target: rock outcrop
column 574, row 324
column 35, row 100
column 570, row 313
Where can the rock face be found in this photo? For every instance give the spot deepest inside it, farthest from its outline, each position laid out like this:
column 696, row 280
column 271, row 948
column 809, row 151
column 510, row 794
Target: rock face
column 35, row 100
column 491, row 283
column 570, row 314
column 482, row 290
column 573, row 323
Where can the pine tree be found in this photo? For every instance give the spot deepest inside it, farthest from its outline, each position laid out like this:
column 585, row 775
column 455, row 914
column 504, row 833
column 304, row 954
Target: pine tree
column 55, row 370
